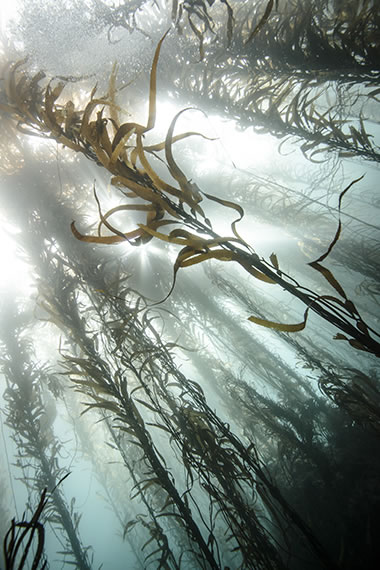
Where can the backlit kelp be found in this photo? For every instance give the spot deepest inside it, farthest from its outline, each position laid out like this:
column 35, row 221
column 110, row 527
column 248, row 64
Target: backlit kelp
column 179, row 410
column 119, row 148
column 297, row 213
column 308, row 65
column 212, row 442
column 336, row 383
column 190, row 425
column 289, row 107
column 124, row 369
column 200, row 21
column 316, row 442
column 315, row 36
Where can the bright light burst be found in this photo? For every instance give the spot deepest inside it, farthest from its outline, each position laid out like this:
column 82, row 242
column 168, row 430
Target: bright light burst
column 232, row 145
column 8, row 11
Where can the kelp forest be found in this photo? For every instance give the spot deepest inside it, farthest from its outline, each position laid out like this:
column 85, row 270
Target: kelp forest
column 190, row 262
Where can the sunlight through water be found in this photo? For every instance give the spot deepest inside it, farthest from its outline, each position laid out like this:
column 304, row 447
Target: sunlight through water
column 8, row 11
column 16, row 273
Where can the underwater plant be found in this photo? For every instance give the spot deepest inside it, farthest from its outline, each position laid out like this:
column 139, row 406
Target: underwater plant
column 309, row 75
column 116, row 358
column 15, row 552
column 18, row 532
column 32, row 430
column 38, row 113
column 217, row 444
column 190, row 426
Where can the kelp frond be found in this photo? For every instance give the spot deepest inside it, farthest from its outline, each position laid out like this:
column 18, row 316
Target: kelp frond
column 119, row 148
column 23, row 535
column 20, row 537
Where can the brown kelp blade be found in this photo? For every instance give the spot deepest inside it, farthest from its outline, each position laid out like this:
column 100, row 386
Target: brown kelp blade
column 261, row 23
column 233, row 206
column 352, row 341
column 153, row 85
column 327, row 274
column 161, row 146
column 338, row 231
column 122, row 208
column 189, row 193
column 278, row 326
column 96, row 239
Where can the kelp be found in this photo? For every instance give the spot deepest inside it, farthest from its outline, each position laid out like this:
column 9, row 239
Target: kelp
column 307, row 218
column 116, row 357
column 64, row 313
column 98, row 139
column 18, row 532
column 277, row 82
column 328, row 38
column 189, row 426
column 346, row 304
column 200, row 21
column 112, row 394
column 17, row 554
column 350, row 389
column 120, row 367
column 288, row 107
column 31, row 429
column 199, row 422
column 298, row 432
column 306, row 36
column 261, row 22
column 122, row 16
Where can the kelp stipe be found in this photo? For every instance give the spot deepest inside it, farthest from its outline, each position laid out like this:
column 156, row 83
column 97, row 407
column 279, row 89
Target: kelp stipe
column 153, row 393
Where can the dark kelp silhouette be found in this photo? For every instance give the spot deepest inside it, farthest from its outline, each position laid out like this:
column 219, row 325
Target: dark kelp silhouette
column 26, row 531
column 22, row 535
column 38, row 450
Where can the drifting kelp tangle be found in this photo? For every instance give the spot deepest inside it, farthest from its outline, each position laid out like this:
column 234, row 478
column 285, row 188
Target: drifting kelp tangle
column 216, row 442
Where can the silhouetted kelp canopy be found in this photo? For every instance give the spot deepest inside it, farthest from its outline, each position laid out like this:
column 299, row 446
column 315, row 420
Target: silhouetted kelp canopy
column 205, row 357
